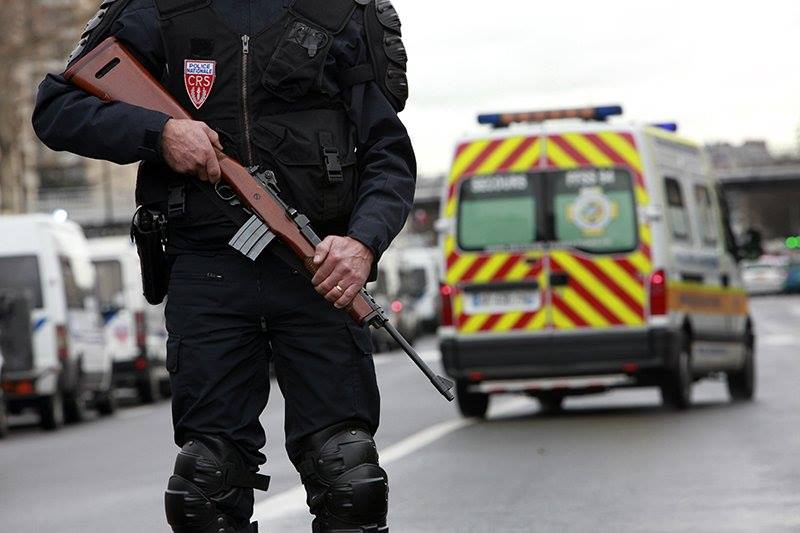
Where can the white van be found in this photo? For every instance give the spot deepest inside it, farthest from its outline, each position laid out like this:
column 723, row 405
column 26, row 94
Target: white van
column 583, row 255
column 135, row 333
column 419, row 279
column 48, row 259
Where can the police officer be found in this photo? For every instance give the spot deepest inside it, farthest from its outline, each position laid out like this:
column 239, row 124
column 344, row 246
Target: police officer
column 311, row 90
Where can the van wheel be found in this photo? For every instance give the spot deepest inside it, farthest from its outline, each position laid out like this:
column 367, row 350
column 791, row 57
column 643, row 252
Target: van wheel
column 148, row 388
column 742, row 382
column 106, row 403
column 51, row 411
column 676, row 387
column 471, row 404
column 3, row 419
column 75, row 408
column 551, row 403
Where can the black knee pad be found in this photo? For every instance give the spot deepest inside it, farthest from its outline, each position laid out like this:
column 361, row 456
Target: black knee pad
column 347, row 490
column 211, row 488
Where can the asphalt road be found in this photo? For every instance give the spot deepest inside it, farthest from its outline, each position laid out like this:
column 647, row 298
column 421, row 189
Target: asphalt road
column 613, row 462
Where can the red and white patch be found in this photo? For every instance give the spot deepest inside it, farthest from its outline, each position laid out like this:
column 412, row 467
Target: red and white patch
column 198, row 77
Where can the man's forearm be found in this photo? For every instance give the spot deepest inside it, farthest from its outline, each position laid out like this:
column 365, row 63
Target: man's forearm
column 66, row 118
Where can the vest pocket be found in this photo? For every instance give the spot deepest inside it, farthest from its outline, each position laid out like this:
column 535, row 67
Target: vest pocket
column 314, row 159
column 297, row 63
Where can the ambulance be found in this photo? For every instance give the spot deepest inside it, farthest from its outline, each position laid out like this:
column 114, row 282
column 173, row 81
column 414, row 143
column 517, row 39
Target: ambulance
column 580, row 256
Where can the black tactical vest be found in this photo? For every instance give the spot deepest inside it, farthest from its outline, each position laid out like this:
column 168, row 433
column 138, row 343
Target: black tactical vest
column 267, row 97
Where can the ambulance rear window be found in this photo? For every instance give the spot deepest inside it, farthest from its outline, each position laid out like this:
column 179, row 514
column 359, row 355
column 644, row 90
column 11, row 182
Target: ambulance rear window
column 497, row 212
column 594, row 210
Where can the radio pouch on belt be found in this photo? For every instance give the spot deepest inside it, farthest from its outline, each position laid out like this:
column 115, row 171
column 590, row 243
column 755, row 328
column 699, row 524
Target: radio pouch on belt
column 148, row 231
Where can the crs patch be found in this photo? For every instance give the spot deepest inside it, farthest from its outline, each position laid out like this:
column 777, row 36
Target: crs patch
column 198, row 77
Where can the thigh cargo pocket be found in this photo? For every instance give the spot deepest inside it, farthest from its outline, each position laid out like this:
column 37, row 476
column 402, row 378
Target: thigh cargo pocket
column 173, row 353
column 314, row 158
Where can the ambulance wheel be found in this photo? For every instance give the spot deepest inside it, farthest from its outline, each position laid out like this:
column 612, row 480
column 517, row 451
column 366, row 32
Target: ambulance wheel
column 742, row 382
column 471, row 404
column 74, row 407
column 148, row 388
column 551, row 403
column 676, row 387
column 51, row 411
column 3, row 419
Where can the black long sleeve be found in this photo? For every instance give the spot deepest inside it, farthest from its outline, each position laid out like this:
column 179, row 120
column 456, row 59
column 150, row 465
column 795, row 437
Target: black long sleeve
column 386, row 161
column 66, row 118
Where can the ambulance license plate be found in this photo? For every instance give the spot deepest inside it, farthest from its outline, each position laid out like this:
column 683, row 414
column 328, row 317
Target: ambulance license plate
column 495, row 302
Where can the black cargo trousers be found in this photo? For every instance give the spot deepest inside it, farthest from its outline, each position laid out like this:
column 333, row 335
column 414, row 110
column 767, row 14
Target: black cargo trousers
column 227, row 318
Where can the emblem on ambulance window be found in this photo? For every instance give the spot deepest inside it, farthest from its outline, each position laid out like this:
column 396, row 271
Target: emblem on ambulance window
column 592, row 211
column 198, row 77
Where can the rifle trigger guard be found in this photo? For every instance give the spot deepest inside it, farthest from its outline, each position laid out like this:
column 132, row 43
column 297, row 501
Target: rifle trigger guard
column 224, row 191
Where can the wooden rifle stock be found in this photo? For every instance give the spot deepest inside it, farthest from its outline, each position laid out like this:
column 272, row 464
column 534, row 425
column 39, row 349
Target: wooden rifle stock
column 111, row 73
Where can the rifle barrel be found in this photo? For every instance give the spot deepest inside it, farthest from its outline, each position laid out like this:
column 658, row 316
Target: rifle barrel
column 442, row 384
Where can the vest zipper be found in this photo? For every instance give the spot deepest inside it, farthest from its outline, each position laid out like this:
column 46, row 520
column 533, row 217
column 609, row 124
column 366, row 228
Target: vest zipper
column 245, row 108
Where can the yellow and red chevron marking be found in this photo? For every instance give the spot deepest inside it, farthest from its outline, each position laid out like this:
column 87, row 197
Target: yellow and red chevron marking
column 600, row 293
column 602, row 149
column 495, row 268
column 513, row 154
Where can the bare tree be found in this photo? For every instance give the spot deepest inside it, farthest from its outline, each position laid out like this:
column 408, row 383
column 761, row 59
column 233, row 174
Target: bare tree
column 33, row 35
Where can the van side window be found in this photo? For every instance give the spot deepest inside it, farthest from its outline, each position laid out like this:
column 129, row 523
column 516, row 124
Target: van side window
column 676, row 210
column 109, row 283
column 73, row 293
column 708, row 219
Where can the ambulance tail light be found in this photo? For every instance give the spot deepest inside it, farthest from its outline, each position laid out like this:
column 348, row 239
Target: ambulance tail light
column 62, row 342
column 658, row 293
column 598, row 113
column 446, row 294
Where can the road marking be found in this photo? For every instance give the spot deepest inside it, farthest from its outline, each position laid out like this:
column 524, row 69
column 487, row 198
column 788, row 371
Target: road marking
column 293, row 500
column 778, row 339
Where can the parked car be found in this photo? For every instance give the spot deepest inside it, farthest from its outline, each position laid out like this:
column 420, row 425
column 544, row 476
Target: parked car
column 135, row 333
column 767, row 275
column 398, row 307
column 66, row 368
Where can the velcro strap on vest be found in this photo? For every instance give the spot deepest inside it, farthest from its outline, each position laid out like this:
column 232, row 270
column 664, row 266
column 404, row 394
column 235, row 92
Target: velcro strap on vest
column 332, row 15
column 172, row 8
column 356, row 75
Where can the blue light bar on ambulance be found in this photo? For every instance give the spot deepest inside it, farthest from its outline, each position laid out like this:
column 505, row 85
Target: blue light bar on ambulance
column 600, row 113
column 668, row 126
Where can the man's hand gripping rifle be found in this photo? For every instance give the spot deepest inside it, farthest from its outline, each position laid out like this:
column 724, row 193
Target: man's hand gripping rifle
column 111, row 73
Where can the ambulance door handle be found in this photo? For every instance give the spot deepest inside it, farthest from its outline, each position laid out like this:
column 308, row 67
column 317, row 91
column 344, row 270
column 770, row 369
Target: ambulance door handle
column 559, row 279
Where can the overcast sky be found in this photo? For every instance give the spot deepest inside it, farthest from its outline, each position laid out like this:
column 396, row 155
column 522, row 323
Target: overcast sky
column 724, row 70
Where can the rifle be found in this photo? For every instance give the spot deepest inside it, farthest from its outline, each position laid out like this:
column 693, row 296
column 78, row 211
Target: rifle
column 111, row 73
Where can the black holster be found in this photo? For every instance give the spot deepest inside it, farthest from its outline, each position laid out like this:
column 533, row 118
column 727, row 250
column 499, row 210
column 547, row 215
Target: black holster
column 149, row 231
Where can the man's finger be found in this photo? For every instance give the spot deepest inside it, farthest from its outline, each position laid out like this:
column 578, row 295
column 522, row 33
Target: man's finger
column 347, row 297
column 200, row 170
column 323, row 248
column 213, row 136
column 212, row 168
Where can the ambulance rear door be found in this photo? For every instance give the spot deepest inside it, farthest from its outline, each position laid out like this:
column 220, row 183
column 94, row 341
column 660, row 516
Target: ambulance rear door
column 599, row 254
